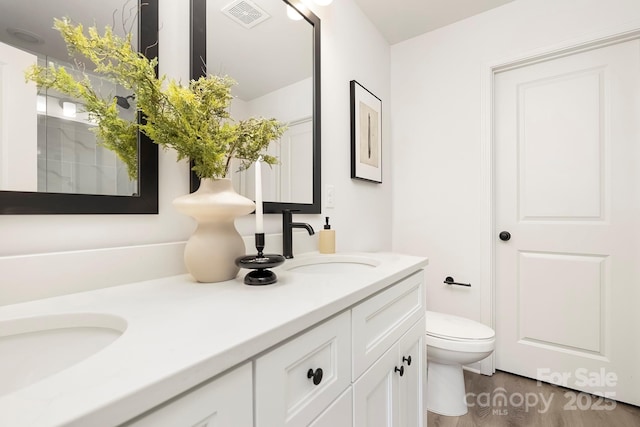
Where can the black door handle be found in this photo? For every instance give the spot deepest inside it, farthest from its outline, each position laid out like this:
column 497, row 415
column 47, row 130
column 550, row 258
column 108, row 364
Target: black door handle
column 400, row 370
column 317, row 375
column 407, row 359
column 504, row 236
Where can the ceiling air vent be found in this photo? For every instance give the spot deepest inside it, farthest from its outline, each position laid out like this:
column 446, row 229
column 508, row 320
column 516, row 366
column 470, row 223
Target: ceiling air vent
column 245, row 13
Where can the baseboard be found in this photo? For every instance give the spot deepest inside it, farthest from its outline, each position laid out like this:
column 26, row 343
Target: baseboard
column 476, row 368
column 471, row 368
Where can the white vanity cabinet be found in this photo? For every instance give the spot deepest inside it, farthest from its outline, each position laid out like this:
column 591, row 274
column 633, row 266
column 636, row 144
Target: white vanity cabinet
column 224, row 401
column 363, row 367
column 373, row 363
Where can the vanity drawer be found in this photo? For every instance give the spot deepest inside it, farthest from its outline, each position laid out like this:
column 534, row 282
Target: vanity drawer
column 224, row 401
column 285, row 395
column 380, row 321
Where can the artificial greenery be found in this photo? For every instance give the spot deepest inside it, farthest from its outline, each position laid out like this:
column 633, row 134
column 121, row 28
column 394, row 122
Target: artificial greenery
column 193, row 120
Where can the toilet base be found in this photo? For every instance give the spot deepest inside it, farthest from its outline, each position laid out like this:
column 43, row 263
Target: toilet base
column 445, row 389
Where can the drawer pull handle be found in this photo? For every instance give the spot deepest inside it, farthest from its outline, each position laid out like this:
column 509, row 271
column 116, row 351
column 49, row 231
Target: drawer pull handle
column 400, row 370
column 317, row 375
column 407, row 359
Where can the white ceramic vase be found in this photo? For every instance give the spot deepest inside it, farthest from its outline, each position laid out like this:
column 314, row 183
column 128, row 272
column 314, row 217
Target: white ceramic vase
column 215, row 244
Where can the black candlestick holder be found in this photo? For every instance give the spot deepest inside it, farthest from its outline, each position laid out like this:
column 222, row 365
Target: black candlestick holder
column 260, row 263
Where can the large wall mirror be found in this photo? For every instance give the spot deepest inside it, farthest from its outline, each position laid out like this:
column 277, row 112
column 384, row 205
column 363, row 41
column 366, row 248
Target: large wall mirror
column 50, row 161
column 271, row 48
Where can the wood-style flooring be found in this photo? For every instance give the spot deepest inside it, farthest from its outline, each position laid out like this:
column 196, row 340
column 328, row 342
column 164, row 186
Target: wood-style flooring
column 548, row 405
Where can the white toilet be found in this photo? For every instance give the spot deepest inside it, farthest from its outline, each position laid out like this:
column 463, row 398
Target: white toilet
column 452, row 342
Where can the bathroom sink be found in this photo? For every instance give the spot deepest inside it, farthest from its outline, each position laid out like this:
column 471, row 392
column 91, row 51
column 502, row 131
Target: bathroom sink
column 331, row 264
column 34, row 348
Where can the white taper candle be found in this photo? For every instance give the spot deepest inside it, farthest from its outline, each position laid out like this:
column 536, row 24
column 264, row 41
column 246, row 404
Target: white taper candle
column 259, row 213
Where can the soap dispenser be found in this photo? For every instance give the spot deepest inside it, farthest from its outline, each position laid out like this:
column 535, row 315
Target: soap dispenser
column 327, row 239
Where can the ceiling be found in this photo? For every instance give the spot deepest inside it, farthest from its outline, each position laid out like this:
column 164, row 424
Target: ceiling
column 280, row 48
column 277, row 40
column 399, row 20
column 35, row 18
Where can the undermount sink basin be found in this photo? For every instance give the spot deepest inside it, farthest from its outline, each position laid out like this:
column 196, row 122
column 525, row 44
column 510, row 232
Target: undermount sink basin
column 331, row 264
column 34, row 348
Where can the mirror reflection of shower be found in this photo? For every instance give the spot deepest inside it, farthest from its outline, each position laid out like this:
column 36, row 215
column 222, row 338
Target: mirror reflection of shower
column 70, row 157
column 46, row 142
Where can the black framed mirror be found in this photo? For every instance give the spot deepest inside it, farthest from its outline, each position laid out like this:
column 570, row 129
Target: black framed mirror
column 245, row 40
column 142, row 197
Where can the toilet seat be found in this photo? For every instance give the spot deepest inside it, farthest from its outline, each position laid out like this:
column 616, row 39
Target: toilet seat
column 455, row 328
column 467, row 346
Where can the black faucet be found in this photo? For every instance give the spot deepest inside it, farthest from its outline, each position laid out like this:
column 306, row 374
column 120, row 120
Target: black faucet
column 287, row 232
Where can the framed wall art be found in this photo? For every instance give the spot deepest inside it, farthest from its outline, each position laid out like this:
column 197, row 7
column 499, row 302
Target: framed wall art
column 366, row 134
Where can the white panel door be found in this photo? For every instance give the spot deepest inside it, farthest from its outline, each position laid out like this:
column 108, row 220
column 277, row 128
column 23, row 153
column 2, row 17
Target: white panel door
column 567, row 141
column 291, row 179
column 296, row 154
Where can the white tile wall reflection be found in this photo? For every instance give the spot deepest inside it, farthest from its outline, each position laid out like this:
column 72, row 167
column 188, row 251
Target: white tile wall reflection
column 70, row 160
column 70, row 157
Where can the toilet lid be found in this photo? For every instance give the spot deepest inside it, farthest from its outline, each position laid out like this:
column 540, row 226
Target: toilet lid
column 448, row 326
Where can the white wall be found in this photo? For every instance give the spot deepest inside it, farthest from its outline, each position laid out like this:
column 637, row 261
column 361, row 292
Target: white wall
column 436, row 129
column 289, row 103
column 351, row 49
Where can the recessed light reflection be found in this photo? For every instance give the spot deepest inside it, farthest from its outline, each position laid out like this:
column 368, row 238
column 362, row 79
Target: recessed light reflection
column 293, row 14
column 41, row 104
column 69, row 109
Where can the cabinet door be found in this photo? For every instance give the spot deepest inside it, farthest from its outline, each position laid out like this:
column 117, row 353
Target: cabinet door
column 412, row 355
column 339, row 414
column 289, row 391
column 375, row 393
column 224, row 401
column 384, row 397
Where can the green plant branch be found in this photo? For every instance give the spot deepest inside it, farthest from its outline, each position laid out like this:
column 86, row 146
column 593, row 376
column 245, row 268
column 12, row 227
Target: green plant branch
column 193, row 120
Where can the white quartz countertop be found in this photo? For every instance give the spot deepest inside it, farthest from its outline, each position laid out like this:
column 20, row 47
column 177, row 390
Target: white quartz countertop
column 180, row 333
